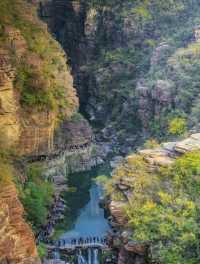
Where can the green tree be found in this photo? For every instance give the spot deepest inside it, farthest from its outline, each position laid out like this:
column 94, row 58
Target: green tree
column 42, row 250
column 177, row 126
column 164, row 211
column 36, row 195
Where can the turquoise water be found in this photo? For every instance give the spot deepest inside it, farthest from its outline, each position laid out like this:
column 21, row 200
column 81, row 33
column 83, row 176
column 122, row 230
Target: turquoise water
column 91, row 220
column 84, row 217
column 82, row 194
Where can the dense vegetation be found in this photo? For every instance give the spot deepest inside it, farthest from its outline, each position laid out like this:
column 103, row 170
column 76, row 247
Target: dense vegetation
column 164, row 208
column 144, row 58
column 37, row 196
column 36, row 193
column 42, row 78
column 127, row 36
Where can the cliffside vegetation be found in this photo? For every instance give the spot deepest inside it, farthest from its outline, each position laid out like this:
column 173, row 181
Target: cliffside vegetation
column 136, row 69
column 161, row 203
column 141, row 69
column 35, row 192
column 17, row 242
column 37, row 196
column 36, row 95
column 35, row 65
column 39, row 63
column 6, row 172
column 130, row 61
column 165, row 210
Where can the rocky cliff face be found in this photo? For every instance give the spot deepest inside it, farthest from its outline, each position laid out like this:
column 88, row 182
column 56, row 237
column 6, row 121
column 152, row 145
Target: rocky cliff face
column 37, row 102
column 9, row 121
column 17, row 243
column 30, row 108
column 30, row 129
column 74, row 152
column 85, row 27
column 123, row 193
column 128, row 79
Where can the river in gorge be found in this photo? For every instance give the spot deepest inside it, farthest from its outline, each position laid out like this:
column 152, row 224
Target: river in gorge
column 87, row 219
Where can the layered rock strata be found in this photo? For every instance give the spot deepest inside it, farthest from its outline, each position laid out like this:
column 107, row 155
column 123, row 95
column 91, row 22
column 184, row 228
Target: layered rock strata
column 31, row 75
column 17, row 243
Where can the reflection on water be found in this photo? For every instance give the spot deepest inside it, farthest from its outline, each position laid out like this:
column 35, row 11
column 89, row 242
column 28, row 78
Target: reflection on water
column 91, row 221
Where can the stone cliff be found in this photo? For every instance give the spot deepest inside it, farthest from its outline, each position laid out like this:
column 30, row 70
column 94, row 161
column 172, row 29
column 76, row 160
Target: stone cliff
column 30, row 129
column 128, row 66
column 17, row 243
column 132, row 74
column 136, row 170
column 38, row 109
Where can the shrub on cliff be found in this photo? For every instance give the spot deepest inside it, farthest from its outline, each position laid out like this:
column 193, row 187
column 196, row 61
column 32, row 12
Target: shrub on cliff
column 34, row 88
column 164, row 210
column 36, row 195
column 151, row 143
column 6, row 169
column 177, row 126
column 42, row 78
column 42, row 250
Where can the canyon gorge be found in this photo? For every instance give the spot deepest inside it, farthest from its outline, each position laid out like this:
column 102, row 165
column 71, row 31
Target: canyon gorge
column 99, row 95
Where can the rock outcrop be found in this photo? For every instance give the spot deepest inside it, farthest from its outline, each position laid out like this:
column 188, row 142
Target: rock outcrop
column 17, row 243
column 153, row 102
column 37, row 102
column 27, row 124
column 9, row 120
column 131, row 251
column 73, row 152
column 125, row 80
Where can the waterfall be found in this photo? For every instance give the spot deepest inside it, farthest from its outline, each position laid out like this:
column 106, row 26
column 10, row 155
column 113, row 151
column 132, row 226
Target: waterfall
column 56, row 255
column 96, row 261
column 92, row 257
column 89, row 231
column 89, row 256
column 81, row 259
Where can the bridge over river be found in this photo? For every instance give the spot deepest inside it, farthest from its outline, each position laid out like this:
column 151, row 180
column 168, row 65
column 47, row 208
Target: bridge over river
column 87, row 238
column 84, row 243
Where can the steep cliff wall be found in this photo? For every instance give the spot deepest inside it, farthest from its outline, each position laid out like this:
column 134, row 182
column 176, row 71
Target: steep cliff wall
column 35, row 81
column 124, row 59
column 17, row 243
column 38, row 119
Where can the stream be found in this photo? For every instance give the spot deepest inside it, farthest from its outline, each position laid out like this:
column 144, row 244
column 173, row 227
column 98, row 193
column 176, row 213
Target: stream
column 89, row 222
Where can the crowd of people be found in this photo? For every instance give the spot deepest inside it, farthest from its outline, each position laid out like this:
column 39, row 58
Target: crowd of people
column 54, row 215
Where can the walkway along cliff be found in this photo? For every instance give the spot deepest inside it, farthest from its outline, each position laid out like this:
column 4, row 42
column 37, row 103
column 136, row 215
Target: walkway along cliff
column 132, row 67
column 38, row 108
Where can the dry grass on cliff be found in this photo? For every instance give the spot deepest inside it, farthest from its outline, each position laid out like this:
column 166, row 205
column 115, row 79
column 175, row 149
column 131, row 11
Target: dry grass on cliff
column 6, row 174
column 42, row 78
